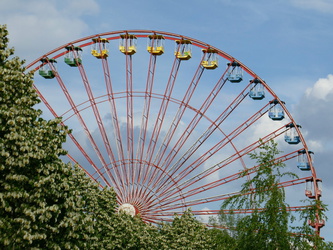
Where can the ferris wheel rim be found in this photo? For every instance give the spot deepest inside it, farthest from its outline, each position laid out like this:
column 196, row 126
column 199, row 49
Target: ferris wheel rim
column 197, row 43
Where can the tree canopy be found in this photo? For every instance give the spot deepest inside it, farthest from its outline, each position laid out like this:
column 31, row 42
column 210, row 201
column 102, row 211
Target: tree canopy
column 269, row 226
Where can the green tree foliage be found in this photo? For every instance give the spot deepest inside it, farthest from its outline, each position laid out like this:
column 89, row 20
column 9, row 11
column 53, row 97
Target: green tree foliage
column 268, row 226
column 41, row 203
column 185, row 232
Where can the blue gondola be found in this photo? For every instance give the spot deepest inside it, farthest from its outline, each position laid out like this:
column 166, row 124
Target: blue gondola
column 276, row 112
column 291, row 135
column 303, row 163
column 235, row 72
column 257, row 91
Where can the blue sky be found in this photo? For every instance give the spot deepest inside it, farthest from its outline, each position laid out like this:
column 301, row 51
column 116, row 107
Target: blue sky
column 288, row 43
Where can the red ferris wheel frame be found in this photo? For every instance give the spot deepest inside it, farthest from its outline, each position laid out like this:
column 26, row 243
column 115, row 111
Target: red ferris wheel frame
column 159, row 178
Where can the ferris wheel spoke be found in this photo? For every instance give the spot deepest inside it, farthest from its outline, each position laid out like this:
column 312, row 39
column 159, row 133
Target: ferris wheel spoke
column 145, row 118
column 129, row 104
column 192, row 125
column 84, row 126
column 205, row 156
column 130, row 118
column 189, row 203
column 53, row 112
column 233, row 177
column 207, row 133
column 180, row 50
column 101, row 127
column 206, row 187
column 226, row 140
column 97, row 115
column 239, row 211
column 209, row 171
column 113, row 109
column 187, row 97
column 163, row 109
column 173, row 205
column 161, row 114
column 137, row 175
column 114, row 115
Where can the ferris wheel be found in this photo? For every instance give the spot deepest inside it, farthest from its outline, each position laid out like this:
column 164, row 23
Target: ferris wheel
column 168, row 121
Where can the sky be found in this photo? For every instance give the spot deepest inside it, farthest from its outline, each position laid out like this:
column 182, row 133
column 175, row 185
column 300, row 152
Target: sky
column 286, row 42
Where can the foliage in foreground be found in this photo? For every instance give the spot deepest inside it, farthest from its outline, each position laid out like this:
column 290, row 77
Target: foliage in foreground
column 269, row 225
column 44, row 203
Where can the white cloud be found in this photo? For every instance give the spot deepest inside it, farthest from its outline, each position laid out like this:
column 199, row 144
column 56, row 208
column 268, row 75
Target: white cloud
column 315, row 145
column 321, row 89
column 36, row 27
column 264, row 127
column 314, row 113
column 319, row 5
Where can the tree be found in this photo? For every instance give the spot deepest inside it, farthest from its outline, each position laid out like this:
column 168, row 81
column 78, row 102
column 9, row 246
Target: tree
column 267, row 229
column 223, row 237
column 185, row 232
column 268, row 226
column 42, row 202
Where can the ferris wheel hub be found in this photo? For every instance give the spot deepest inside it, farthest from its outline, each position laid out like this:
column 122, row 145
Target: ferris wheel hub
column 128, row 208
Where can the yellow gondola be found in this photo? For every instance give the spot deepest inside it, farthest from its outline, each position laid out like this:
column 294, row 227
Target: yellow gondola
column 210, row 60
column 100, row 48
column 183, row 49
column 127, row 44
column 155, row 44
